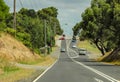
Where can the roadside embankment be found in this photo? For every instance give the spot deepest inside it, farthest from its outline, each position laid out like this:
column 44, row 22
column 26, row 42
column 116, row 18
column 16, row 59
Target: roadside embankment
column 20, row 64
column 109, row 57
column 112, row 57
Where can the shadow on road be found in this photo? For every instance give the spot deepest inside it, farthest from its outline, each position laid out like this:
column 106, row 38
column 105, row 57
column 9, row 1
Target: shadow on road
column 89, row 62
column 65, row 60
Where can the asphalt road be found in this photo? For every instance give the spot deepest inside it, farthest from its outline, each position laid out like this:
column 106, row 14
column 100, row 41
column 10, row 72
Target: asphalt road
column 74, row 68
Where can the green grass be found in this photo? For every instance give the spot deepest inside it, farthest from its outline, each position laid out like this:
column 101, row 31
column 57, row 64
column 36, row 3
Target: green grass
column 10, row 73
column 31, row 62
column 6, row 66
column 14, row 76
column 9, row 68
column 90, row 47
column 37, row 61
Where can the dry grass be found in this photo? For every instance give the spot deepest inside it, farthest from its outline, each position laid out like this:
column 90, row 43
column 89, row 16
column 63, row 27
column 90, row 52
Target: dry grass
column 90, row 47
column 10, row 73
column 16, row 75
column 13, row 50
column 102, row 57
column 1, row 71
column 117, row 62
column 48, row 60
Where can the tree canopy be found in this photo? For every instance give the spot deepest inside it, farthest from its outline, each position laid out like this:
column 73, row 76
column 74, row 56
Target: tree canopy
column 4, row 11
column 30, row 26
column 100, row 24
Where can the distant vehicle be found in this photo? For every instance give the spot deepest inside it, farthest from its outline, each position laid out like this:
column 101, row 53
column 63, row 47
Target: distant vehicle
column 62, row 49
column 74, row 37
column 82, row 51
column 63, row 35
column 74, row 46
column 73, row 40
column 62, row 38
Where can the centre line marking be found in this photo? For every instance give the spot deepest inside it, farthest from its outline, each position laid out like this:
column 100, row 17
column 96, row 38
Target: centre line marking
column 92, row 69
column 98, row 80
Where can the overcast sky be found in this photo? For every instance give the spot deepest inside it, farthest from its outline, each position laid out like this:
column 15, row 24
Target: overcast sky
column 69, row 11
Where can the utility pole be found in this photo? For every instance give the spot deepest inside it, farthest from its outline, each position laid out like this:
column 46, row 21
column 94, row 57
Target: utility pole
column 55, row 29
column 14, row 21
column 45, row 35
column 50, row 46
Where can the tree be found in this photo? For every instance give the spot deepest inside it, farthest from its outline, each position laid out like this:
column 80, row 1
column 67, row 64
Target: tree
column 100, row 24
column 4, row 11
column 31, row 26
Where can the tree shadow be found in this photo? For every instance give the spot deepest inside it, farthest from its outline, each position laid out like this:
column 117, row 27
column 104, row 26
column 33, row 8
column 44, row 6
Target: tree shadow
column 89, row 62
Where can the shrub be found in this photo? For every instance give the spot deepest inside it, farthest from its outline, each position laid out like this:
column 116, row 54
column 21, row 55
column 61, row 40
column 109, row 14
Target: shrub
column 25, row 38
column 10, row 31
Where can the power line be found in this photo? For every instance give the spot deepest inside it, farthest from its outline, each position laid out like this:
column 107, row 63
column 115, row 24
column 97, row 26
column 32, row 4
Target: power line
column 14, row 23
column 21, row 3
column 31, row 4
column 36, row 4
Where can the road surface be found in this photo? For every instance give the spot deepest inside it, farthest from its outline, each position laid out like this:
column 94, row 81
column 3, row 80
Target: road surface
column 74, row 68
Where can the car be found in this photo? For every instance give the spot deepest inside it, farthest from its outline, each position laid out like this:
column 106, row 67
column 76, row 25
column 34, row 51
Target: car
column 62, row 38
column 63, row 35
column 62, row 50
column 73, row 40
column 82, row 51
column 74, row 46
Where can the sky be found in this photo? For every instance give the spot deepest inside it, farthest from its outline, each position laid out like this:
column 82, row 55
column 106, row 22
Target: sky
column 69, row 11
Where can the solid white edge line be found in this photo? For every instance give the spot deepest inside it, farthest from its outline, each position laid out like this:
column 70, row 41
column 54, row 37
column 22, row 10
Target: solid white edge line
column 75, row 57
column 46, row 70
column 98, row 80
column 95, row 71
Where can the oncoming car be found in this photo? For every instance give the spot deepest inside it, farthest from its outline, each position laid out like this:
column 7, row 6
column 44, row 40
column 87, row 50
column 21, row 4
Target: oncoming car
column 62, row 50
column 82, row 51
column 74, row 46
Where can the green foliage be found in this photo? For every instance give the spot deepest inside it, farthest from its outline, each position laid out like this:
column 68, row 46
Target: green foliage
column 4, row 9
column 25, row 38
column 10, row 67
column 10, row 31
column 2, row 26
column 30, row 28
column 100, row 24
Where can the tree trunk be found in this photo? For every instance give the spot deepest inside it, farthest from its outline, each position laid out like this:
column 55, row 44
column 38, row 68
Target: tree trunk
column 101, row 48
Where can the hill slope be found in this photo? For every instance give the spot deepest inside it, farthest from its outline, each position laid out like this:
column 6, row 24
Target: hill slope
column 113, row 57
column 13, row 50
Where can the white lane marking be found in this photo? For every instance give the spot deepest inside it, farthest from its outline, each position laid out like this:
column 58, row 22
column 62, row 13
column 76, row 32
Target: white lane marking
column 75, row 57
column 98, row 80
column 72, row 50
column 95, row 71
column 46, row 70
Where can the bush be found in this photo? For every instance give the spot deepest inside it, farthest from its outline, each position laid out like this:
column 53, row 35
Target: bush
column 36, row 50
column 10, row 31
column 25, row 38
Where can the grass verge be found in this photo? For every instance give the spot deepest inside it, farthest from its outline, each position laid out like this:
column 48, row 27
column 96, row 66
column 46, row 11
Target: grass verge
column 11, row 73
column 43, row 61
column 15, row 76
column 33, row 62
column 87, row 45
